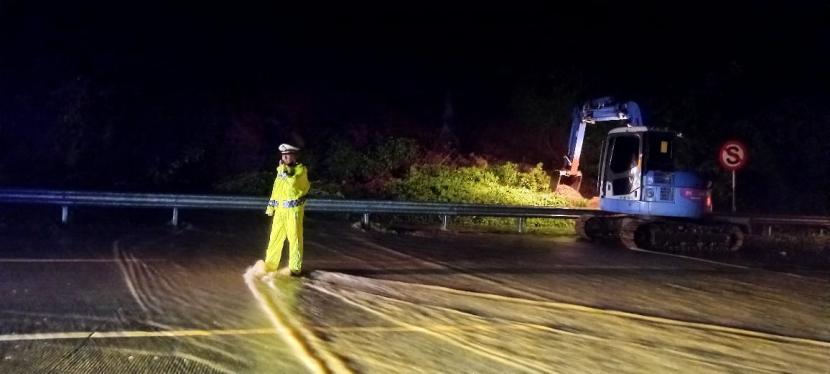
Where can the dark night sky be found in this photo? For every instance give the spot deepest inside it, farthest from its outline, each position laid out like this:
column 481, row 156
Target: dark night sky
column 351, row 62
column 226, row 46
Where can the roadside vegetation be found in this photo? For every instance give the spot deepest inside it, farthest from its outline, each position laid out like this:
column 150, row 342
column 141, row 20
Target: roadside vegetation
column 400, row 169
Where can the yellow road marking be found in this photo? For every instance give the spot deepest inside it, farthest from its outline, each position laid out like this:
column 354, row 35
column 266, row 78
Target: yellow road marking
column 293, row 333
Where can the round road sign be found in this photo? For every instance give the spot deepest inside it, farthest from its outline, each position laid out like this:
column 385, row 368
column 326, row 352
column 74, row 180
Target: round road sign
column 732, row 155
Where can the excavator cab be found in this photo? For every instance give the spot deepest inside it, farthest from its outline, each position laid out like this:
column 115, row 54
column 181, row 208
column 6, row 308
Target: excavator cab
column 656, row 204
column 638, row 175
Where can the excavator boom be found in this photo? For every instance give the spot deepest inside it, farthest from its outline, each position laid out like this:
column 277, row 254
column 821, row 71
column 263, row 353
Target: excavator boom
column 598, row 110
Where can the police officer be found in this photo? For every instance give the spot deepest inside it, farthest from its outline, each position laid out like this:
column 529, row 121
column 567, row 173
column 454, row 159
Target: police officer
column 287, row 206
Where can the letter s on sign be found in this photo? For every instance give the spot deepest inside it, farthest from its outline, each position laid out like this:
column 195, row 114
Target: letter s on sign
column 733, row 154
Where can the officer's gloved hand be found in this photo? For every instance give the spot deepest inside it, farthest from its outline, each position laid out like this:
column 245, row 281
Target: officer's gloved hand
column 269, row 211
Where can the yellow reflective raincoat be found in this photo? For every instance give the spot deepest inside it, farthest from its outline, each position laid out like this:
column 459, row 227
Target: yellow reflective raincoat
column 287, row 205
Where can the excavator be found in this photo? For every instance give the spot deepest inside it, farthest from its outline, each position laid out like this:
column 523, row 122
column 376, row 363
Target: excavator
column 646, row 200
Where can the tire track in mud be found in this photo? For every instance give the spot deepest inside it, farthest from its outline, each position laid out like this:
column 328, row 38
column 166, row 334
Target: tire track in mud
column 546, row 295
column 161, row 292
column 161, row 288
column 343, row 285
column 534, row 297
column 528, row 292
column 158, row 296
column 145, row 283
column 128, row 276
column 476, row 349
column 609, row 312
column 433, row 265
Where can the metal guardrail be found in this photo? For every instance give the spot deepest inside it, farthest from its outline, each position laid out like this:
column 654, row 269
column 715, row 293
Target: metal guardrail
column 67, row 199
column 769, row 221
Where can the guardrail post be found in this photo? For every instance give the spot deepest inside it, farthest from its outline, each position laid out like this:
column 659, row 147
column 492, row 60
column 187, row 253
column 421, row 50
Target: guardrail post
column 175, row 220
column 65, row 214
column 365, row 220
column 445, row 221
column 769, row 230
column 520, row 224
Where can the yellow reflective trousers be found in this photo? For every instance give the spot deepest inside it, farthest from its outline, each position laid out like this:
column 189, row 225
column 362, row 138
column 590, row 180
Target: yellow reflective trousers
column 287, row 206
column 288, row 223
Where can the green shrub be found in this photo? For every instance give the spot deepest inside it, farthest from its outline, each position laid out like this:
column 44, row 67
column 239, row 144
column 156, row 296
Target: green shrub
column 535, row 179
column 508, row 173
column 502, row 185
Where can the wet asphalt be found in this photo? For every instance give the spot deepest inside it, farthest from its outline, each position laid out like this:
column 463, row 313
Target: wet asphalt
column 122, row 295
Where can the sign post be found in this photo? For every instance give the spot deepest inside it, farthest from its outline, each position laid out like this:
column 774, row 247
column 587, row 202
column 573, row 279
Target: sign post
column 733, row 192
column 732, row 157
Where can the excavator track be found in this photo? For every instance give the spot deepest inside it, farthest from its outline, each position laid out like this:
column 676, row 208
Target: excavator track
column 665, row 235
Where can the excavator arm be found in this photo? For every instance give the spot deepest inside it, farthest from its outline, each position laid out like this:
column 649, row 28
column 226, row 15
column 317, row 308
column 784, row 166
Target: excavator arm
column 597, row 110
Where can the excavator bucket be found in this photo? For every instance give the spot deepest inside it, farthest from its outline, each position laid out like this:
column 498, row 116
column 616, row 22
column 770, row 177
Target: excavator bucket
column 572, row 180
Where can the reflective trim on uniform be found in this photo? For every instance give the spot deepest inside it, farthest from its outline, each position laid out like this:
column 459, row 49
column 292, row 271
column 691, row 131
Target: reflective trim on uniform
column 286, row 174
column 287, row 203
column 293, row 203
